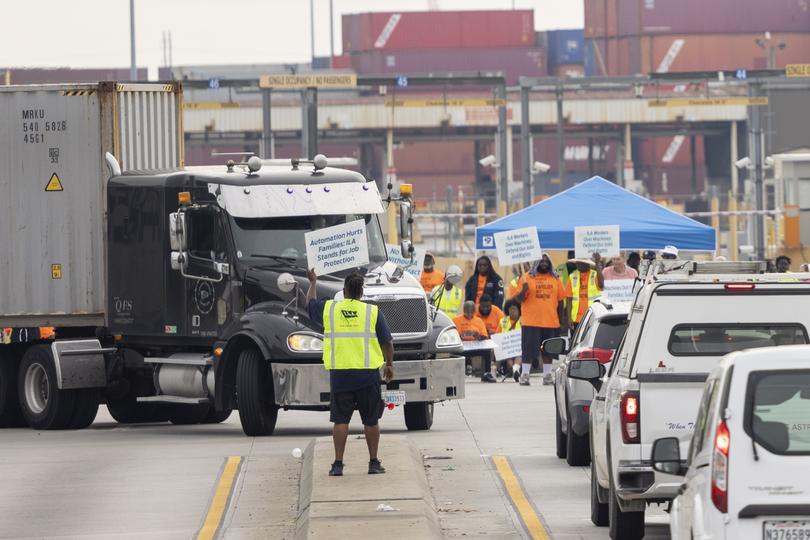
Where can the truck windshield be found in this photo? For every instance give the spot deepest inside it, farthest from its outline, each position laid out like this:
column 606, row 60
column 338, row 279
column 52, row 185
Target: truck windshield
column 283, row 237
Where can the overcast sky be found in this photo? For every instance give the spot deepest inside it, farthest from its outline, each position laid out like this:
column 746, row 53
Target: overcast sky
column 95, row 33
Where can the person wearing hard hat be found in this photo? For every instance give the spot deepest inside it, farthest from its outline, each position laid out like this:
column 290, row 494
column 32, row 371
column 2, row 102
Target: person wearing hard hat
column 585, row 284
column 669, row 253
column 447, row 297
column 430, row 278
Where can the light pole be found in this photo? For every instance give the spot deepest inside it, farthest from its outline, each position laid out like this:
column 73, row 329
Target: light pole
column 133, row 68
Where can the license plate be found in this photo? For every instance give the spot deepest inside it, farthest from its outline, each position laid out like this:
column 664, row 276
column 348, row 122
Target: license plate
column 397, row 397
column 786, row 530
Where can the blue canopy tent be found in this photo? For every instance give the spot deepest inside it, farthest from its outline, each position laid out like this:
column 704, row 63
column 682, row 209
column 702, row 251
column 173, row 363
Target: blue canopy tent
column 643, row 224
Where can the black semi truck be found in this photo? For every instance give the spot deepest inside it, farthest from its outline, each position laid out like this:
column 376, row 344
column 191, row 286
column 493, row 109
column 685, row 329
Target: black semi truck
column 178, row 294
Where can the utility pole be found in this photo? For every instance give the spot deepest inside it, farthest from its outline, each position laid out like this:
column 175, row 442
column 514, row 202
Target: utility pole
column 133, row 68
column 331, row 34
column 503, row 172
column 561, row 137
column 312, row 32
column 757, row 158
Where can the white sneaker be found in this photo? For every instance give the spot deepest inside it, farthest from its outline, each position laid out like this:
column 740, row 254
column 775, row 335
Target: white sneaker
column 547, row 379
column 524, row 380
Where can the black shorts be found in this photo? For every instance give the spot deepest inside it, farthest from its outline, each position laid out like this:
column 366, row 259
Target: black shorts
column 531, row 337
column 367, row 400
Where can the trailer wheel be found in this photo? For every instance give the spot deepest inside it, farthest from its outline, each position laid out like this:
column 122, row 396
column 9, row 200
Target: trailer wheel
column 187, row 415
column 419, row 415
column 43, row 405
column 215, row 417
column 10, row 413
column 255, row 394
column 86, row 408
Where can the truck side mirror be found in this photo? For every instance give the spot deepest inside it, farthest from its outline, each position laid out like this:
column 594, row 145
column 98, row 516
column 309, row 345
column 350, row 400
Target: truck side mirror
column 405, row 222
column 177, row 231
column 666, row 456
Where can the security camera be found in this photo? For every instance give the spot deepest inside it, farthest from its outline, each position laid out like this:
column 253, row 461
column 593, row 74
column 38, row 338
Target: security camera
column 540, row 167
column 743, row 163
column 769, row 162
column 488, row 161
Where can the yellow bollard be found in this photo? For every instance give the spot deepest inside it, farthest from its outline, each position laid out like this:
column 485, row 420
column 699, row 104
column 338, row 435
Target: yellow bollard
column 733, row 248
column 393, row 235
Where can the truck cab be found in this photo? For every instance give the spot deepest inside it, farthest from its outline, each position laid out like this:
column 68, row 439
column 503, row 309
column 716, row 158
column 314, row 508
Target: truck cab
column 207, row 273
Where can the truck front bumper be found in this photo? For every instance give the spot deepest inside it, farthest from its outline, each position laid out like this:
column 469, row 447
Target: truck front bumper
column 307, row 385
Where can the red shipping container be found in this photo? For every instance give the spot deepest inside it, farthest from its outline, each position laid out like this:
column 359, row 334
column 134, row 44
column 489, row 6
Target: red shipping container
column 601, row 18
column 721, row 16
column 343, row 61
column 438, row 30
column 514, row 63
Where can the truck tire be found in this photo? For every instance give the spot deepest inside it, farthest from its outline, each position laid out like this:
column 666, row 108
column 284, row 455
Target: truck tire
column 623, row 525
column 187, row 415
column 255, row 395
column 599, row 510
column 43, row 405
column 87, row 401
column 419, row 415
column 562, row 443
column 10, row 413
column 577, row 451
column 215, row 417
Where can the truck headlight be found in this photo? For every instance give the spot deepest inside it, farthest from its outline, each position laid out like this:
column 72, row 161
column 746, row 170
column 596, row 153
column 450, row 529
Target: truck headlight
column 448, row 338
column 304, row 343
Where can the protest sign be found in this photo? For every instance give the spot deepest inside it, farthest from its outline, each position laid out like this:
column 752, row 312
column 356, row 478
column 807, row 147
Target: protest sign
column 619, row 290
column 507, row 344
column 517, row 246
column 337, row 248
column 412, row 266
column 603, row 240
column 483, row 345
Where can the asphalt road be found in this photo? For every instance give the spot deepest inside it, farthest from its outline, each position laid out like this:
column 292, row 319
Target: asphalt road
column 158, row 481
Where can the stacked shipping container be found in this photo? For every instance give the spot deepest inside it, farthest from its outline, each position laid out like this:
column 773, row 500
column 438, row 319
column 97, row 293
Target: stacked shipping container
column 437, row 41
column 625, row 37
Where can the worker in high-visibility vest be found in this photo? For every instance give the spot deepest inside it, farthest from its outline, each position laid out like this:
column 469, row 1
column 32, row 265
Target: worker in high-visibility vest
column 356, row 344
column 447, row 297
column 585, row 284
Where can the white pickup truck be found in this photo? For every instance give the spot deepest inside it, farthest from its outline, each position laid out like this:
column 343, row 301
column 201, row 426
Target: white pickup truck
column 680, row 326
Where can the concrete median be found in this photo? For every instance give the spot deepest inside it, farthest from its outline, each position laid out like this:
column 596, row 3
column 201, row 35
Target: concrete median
column 347, row 506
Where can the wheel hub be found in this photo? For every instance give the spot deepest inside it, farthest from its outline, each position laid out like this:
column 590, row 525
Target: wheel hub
column 36, row 388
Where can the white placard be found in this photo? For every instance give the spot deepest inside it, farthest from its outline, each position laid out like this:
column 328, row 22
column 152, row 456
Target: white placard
column 337, row 248
column 483, row 345
column 412, row 266
column 517, row 246
column 507, row 344
column 603, row 240
column 619, row 290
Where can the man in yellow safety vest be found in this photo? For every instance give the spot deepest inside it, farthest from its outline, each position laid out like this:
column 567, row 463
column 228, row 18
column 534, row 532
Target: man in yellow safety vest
column 447, row 297
column 585, row 284
column 356, row 343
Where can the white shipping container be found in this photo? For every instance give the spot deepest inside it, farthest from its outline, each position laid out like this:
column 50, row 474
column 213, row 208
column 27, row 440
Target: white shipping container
column 53, row 189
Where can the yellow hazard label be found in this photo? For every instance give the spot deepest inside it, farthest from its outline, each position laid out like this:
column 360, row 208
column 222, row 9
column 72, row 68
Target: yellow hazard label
column 56, row 271
column 54, row 184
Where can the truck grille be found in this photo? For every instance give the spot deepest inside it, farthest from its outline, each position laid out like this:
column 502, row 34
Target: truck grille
column 403, row 315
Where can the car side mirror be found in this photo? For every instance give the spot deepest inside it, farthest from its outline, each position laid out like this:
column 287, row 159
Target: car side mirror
column 666, row 456
column 554, row 346
column 589, row 369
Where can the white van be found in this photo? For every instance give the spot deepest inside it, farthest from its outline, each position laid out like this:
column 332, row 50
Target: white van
column 680, row 327
column 748, row 472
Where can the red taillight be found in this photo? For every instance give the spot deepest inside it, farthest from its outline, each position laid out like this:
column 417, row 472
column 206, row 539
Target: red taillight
column 740, row 286
column 722, row 442
column 586, row 409
column 604, row 356
column 631, row 417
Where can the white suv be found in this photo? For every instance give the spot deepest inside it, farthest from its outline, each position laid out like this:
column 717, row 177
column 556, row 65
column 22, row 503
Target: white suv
column 597, row 336
column 749, row 459
column 679, row 328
